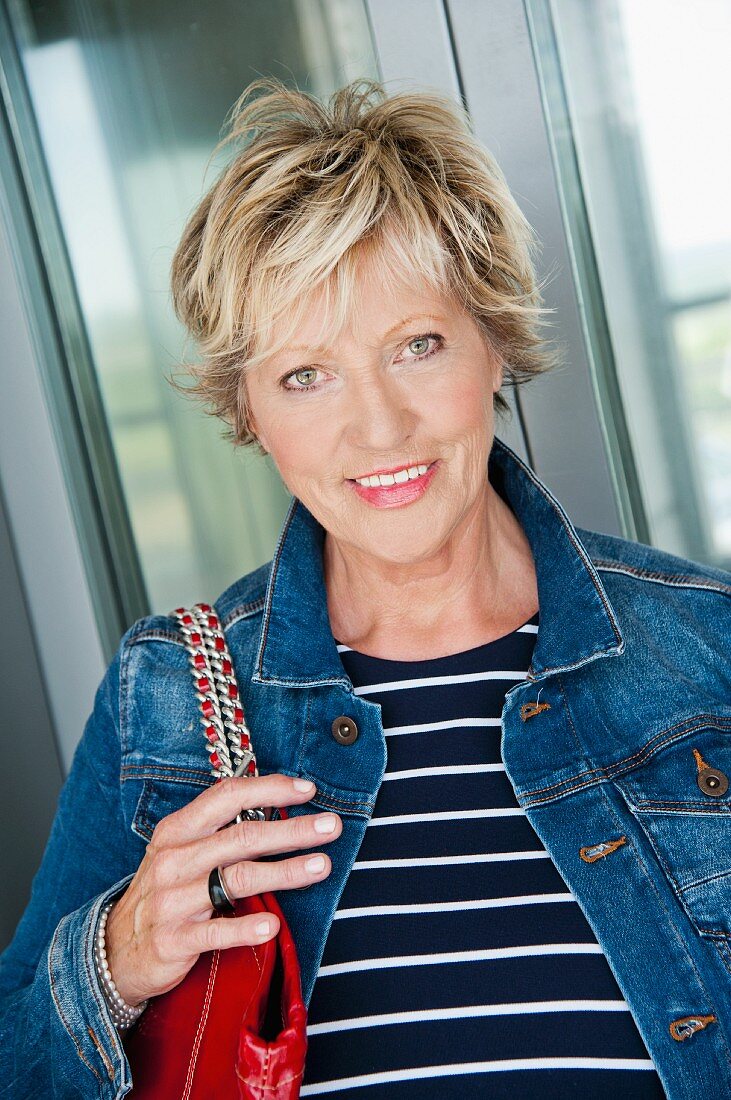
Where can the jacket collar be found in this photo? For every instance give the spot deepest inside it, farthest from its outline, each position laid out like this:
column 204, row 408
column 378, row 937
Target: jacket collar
column 577, row 622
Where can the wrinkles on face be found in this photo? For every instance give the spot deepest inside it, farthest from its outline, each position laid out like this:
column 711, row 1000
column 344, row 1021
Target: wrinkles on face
column 379, row 406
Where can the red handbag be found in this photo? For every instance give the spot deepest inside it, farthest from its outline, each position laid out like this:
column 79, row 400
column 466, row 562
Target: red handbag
column 235, row 1027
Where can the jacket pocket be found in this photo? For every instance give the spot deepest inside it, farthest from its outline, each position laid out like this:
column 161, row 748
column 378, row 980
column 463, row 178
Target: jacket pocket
column 682, row 799
column 160, row 797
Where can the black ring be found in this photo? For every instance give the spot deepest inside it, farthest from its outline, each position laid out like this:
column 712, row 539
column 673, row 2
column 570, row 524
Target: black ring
column 220, row 900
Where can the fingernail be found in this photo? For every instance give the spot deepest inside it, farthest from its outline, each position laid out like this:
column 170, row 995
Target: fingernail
column 263, row 927
column 325, row 824
column 302, row 785
column 316, row 863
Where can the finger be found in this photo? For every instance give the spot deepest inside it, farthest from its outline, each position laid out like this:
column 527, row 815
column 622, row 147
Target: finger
column 219, row 804
column 253, row 839
column 251, row 877
column 243, row 880
column 221, row 933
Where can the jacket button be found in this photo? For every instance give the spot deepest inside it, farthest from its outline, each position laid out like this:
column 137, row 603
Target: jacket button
column 344, row 730
column 713, row 782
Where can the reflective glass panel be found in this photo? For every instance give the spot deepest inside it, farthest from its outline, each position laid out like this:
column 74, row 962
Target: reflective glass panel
column 637, row 97
column 129, row 99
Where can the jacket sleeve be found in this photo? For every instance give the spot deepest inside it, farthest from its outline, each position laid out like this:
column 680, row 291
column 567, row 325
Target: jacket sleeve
column 57, row 1038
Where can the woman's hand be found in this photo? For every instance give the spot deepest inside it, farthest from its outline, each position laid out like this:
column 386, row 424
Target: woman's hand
column 162, row 923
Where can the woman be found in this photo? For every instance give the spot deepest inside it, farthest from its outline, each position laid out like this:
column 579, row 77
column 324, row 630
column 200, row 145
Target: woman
column 516, row 733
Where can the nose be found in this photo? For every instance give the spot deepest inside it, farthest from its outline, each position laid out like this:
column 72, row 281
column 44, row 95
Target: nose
column 380, row 414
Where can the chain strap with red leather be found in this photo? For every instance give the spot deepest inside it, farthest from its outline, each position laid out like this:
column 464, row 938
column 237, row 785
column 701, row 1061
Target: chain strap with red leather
column 228, row 738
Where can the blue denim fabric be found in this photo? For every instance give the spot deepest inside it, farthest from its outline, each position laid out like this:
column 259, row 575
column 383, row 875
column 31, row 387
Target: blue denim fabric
column 632, row 657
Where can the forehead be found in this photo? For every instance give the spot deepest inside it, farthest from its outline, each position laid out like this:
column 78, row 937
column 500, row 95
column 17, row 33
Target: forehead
column 379, row 313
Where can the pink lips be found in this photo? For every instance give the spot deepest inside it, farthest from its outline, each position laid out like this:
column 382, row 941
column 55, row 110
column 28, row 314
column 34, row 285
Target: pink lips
column 393, row 496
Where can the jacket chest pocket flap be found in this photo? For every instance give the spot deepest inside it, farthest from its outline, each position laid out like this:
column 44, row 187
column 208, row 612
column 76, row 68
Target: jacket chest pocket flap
column 160, row 797
column 682, row 799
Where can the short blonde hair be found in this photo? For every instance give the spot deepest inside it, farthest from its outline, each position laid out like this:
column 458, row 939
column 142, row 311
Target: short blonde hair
column 400, row 177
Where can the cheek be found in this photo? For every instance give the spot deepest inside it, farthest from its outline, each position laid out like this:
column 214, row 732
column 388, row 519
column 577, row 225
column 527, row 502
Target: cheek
column 297, row 461
column 465, row 406
column 290, row 438
column 306, row 467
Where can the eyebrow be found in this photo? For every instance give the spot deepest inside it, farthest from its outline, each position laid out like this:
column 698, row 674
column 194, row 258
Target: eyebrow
column 394, row 328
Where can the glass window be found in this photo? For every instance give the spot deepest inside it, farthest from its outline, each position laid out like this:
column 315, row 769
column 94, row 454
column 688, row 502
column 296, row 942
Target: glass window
column 637, row 100
column 129, row 99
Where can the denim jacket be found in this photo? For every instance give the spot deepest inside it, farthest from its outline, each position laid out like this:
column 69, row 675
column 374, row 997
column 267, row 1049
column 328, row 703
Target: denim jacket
column 620, row 769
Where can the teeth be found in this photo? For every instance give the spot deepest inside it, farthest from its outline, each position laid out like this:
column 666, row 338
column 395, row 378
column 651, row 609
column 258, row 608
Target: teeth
column 392, row 479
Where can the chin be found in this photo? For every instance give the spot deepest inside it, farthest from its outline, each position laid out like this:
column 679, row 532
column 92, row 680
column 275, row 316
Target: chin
column 404, row 550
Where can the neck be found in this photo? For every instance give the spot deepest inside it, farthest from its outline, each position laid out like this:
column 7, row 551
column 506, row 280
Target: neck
column 479, row 585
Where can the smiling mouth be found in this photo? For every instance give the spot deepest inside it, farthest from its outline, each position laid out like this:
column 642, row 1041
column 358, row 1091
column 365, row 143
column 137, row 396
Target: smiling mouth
column 396, row 494
column 392, row 473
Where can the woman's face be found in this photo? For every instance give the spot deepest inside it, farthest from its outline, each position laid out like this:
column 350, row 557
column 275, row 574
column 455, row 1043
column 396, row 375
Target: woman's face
column 409, row 383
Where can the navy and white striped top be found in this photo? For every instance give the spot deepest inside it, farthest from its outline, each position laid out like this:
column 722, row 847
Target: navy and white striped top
column 458, row 963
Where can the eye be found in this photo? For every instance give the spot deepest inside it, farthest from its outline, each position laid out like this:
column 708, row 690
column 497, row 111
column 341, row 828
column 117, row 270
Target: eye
column 298, row 375
column 419, row 344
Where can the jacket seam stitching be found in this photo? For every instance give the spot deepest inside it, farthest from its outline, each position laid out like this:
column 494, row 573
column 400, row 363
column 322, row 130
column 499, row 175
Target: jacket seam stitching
column 596, row 780
column 703, row 881
column 301, row 749
column 167, row 771
column 723, row 950
column 270, row 589
column 156, row 633
column 678, row 938
column 159, row 633
column 122, row 736
column 102, row 1053
column 90, row 982
column 246, row 610
column 324, row 797
column 57, row 1003
column 674, row 580
column 702, row 807
column 627, row 762
column 577, row 664
column 140, row 821
column 711, row 807
column 340, row 681
column 643, row 870
column 565, row 702
column 141, row 826
column 123, row 703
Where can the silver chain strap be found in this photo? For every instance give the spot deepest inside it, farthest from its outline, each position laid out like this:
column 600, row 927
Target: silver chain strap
column 228, row 738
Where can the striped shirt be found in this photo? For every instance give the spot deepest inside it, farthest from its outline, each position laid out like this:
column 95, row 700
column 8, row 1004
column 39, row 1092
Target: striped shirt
column 458, row 963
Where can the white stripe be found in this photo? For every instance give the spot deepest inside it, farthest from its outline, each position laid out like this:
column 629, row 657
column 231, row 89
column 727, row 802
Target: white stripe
column 441, row 681
column 487, row 954
column 443, row 769
column 462, row 1068
column 447, row 861
column 447, row 815
column 465, row 1012
column 451, row 906
column 449, row 724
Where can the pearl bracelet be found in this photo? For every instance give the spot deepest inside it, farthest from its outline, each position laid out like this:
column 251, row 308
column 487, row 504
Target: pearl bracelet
column 122, row 1014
